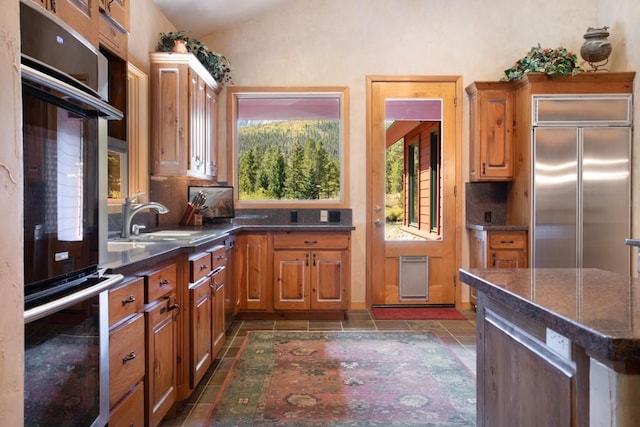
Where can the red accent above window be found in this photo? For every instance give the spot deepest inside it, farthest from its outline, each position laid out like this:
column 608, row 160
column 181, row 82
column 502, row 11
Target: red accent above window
column 285, row 108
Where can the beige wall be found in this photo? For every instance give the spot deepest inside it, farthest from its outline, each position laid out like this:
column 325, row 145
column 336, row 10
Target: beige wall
column 147, row 22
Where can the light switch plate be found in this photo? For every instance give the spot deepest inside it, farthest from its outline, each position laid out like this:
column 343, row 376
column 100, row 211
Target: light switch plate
column 324, row 215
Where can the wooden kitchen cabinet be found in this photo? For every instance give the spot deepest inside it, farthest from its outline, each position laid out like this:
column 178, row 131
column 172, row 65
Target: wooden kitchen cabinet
column 161, row 313
column 253, row 268
column 491, row 131
column 497, row 249
column 200, row 293
column 113, row 26
column 310, row 271
column 218, row 280
column 126, row 351
column 81, row 15
column 183, row 117
column 117, row 12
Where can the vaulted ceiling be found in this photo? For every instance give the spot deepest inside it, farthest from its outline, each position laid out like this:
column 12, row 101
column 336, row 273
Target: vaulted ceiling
column 202, row 17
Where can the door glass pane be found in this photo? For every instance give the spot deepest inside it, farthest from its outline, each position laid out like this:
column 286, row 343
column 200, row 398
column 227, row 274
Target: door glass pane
column 412, row 166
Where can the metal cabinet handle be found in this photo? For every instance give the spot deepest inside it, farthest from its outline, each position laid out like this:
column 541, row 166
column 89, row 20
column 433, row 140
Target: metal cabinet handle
column 493, row 259
column 484, row 168
column 163, row 282
column 506, row 242
column 204, row 266
column 109, row 5
column 128, row 300
column 306, row 262
column 129, row 356
column 310, row 242
column 176, row 307
column 314, row 259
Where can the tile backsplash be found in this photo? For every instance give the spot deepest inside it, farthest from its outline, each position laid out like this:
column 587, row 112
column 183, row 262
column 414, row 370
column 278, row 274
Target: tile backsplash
column 486, row 203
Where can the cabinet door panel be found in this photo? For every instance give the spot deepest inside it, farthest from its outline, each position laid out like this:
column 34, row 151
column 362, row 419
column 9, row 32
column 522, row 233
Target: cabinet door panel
column 201, row 330
column 328, row 286
column 291, row 280
column 507, row 259
column 161, row 367
column 217, row 313
column 253, row 271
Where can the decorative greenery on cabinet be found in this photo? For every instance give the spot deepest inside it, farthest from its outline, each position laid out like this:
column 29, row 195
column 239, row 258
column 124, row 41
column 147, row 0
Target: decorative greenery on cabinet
column 216, row 64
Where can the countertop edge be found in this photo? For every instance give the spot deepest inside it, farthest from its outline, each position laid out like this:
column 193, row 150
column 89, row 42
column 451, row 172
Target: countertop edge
column 602, row 346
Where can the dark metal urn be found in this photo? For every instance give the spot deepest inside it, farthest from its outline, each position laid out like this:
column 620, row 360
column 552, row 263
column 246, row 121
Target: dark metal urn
column 596, row 48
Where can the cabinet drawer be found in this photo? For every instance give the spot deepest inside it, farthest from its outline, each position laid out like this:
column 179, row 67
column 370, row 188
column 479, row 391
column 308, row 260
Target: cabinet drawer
column 160, row 282
column 506, row 241
column 126, row 357
column 311, row 241
column 130, row 412
column 199, row 266
column 219, row 257
column 125, row 300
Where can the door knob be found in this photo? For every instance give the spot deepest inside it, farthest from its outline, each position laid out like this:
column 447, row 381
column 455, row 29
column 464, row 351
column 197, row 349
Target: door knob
column 378, row 222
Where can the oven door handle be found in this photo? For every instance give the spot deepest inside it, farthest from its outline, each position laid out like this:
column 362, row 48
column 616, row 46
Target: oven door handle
column 44, row 310
column 105, row 110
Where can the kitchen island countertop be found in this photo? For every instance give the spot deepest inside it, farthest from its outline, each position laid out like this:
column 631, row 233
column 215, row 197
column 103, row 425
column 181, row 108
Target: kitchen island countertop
column 597, row 309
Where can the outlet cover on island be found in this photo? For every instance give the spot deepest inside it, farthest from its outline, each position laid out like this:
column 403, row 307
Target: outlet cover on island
column 324, row 215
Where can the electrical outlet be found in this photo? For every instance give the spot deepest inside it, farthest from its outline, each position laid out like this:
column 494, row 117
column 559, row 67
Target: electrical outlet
column 293, row 216
column 558, row 343
column 487, row 216
column 334, row 216
column 324, row 215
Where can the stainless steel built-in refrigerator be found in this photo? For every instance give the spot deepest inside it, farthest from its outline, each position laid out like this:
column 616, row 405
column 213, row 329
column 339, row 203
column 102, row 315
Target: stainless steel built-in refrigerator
column 581, row 171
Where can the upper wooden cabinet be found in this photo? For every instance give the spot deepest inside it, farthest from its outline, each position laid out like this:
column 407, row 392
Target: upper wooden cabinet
column 81, row 15
column 183, row 117
column 117, row 12
column 491, row 128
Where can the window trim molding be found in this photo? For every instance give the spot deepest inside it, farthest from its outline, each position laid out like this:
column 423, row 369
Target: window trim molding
column 235, row 92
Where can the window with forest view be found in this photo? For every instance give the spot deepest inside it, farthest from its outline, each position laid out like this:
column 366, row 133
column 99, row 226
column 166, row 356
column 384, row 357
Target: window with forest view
column 289, row 145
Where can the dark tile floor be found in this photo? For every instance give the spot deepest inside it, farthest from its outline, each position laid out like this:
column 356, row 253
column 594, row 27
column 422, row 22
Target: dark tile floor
column 460, row 335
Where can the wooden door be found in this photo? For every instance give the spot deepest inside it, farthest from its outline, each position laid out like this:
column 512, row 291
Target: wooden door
column 442, row 248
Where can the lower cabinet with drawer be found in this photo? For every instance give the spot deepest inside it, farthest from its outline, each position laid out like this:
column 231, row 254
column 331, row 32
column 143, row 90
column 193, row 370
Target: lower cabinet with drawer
column 497, row 249
column 126, row 354
column 161, row 312
column 310, row 271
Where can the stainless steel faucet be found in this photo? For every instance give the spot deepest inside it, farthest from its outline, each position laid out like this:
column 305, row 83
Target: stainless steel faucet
column 129, row 210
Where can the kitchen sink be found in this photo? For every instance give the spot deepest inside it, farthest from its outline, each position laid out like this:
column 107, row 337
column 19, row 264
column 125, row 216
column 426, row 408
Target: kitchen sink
column 182, row 236
column 123, row 245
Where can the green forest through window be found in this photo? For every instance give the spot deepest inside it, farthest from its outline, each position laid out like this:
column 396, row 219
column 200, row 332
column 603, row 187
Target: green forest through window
column 289, row 146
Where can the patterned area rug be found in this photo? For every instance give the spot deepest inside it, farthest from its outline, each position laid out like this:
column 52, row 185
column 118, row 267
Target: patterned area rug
column 345, row 379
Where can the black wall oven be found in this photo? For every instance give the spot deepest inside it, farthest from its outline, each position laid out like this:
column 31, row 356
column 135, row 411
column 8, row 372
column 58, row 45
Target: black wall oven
column 64, row 143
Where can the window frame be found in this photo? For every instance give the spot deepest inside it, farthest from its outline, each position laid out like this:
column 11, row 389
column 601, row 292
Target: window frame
column 236, row 92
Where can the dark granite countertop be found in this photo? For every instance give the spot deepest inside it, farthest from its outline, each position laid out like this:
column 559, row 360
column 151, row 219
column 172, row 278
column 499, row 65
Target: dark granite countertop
column 599, row 310
column 496, row 227
column 208, row 235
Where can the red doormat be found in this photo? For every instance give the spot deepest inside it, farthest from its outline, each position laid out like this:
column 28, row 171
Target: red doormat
column 417, row 313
